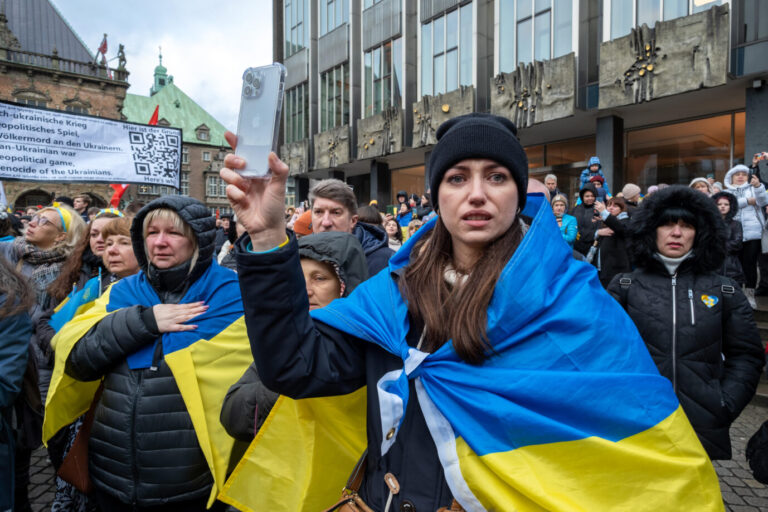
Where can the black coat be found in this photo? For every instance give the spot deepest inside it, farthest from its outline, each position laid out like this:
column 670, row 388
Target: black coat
column 697, row 325
column 614, row 257
column 584, row 219
column 733, row 240
column 301, row 358
column 143, row 447
column 375, row 244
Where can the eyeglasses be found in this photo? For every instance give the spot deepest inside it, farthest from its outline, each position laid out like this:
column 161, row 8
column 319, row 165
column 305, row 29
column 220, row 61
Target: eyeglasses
column 42, row 220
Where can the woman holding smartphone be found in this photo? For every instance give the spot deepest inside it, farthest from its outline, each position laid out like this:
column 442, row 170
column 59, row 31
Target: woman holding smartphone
column 473, row 351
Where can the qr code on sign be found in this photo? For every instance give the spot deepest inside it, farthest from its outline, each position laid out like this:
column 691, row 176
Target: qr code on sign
column 155, row 154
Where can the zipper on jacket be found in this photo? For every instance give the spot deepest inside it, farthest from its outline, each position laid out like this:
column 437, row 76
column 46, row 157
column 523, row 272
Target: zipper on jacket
column 690, row 299
column 132, row 435
column 674, row 332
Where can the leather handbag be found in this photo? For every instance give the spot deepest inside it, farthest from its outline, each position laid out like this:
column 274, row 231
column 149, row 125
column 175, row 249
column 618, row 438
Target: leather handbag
column 350, row 500
column 74, row 468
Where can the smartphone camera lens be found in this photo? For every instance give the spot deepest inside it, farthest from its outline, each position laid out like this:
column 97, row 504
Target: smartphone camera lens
column 249, row 77
column 247, row 90
column 257, row 83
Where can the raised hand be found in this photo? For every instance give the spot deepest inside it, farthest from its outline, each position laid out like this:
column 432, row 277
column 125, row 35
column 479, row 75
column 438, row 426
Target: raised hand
column 258, row 203
column 173, row 317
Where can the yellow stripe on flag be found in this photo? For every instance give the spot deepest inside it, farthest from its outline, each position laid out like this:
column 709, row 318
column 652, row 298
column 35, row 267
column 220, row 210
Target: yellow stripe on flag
column 302, row 456
column 662, row 468
column 204, row 372
column 68, row 399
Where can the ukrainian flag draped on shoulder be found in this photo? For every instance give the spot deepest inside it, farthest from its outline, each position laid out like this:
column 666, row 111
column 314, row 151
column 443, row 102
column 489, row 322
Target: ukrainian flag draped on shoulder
column 205, row 362
column 559, row 418
column 76, row 303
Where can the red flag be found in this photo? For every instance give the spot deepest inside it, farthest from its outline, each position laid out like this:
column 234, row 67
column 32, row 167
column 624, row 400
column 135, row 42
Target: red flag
column 153, row 121
column 119, row 191
column 103, row 46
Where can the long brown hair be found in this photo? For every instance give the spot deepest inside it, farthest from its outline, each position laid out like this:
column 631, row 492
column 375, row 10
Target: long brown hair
column 459, row 312
column 19, row 296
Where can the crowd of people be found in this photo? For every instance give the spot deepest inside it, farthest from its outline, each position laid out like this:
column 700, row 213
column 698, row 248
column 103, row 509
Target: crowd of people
column 164, row 339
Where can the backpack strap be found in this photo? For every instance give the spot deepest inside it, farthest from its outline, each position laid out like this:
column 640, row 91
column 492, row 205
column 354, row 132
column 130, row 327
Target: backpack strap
column 625, row 282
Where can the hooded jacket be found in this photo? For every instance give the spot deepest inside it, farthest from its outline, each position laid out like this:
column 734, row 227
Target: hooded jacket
column 586, row 174
column 733, row 241
column 130, row 456
column 375, row 244
column 584, row 215
column 697, row 325
column 751, row 216
column 249, row 401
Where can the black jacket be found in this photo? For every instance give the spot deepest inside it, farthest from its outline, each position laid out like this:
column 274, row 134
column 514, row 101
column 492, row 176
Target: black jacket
column 302, row 358
column 697, row 325
column 375, row 245
column 733, row 240
column 614, row 257
column 249, row 401
column 143, row 448
column 584, row 216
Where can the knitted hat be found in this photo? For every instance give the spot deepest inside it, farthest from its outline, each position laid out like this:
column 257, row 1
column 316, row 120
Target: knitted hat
column 630, row 190
column 303, row 225
column 478, row 136
column 597, row 177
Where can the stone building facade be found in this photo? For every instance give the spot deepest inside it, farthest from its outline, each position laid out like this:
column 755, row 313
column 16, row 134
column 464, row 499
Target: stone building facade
column 62, row 76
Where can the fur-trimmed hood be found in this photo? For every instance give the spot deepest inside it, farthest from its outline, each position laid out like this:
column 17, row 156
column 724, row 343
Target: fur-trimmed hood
column 731, row 199
column 728, row 181
column 709, row 244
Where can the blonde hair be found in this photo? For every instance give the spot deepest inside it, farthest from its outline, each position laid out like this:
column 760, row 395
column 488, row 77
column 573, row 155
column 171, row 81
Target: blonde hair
column 168, row 215
column 74, row 232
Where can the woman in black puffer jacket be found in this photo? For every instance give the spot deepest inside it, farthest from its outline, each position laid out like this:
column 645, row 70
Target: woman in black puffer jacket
column 728, row 206
column 697, row 324
column 144, row 452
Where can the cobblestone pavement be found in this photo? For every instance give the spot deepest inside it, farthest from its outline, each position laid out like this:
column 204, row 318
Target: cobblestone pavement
column 741, row 492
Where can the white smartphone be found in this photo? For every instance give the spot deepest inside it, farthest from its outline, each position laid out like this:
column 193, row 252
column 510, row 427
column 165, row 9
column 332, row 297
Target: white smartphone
column 258, row 125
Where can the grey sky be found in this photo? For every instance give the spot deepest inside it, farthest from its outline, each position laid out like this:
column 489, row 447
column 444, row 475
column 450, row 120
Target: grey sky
column 206, row 45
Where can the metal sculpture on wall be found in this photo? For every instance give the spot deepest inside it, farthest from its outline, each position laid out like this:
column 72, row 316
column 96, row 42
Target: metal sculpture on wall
column 673, row 57
column 432, row 111
column 536, row 92
column 296, row 156
column 332, row 148
column 381, row 134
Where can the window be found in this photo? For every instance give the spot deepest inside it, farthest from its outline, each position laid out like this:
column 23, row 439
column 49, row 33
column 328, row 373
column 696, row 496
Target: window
column 543, row 30
column 206, row 156
column 185, row 155
column 334, row 97
column 446, row 53
column 677, row 153
column 215, row 187
column 202, row 135
column 76, row 109
column 752, row 21
column 296, row 113
column 185, row 183
column 33, row 99
column 383, row 77
column 295, row 26
column 626, row 14
column 333, row 14
column 369, row 3
column 220, row 210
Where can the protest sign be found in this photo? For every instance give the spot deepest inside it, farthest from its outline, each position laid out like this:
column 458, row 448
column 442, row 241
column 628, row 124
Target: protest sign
column 48, row 145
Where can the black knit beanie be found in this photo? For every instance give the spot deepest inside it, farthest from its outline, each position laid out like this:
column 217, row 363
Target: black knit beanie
column 478, row 136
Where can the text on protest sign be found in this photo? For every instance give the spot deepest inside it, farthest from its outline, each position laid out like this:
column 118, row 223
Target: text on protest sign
column 47, row 145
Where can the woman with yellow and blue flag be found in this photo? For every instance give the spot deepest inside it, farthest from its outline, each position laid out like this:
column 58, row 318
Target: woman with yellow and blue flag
column 51, row 236
column 165, row 345
column 486, row 387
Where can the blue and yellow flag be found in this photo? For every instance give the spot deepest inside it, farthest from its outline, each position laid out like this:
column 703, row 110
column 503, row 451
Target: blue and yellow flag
column 76, row 303
column 559, row 418
column 205, row 362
